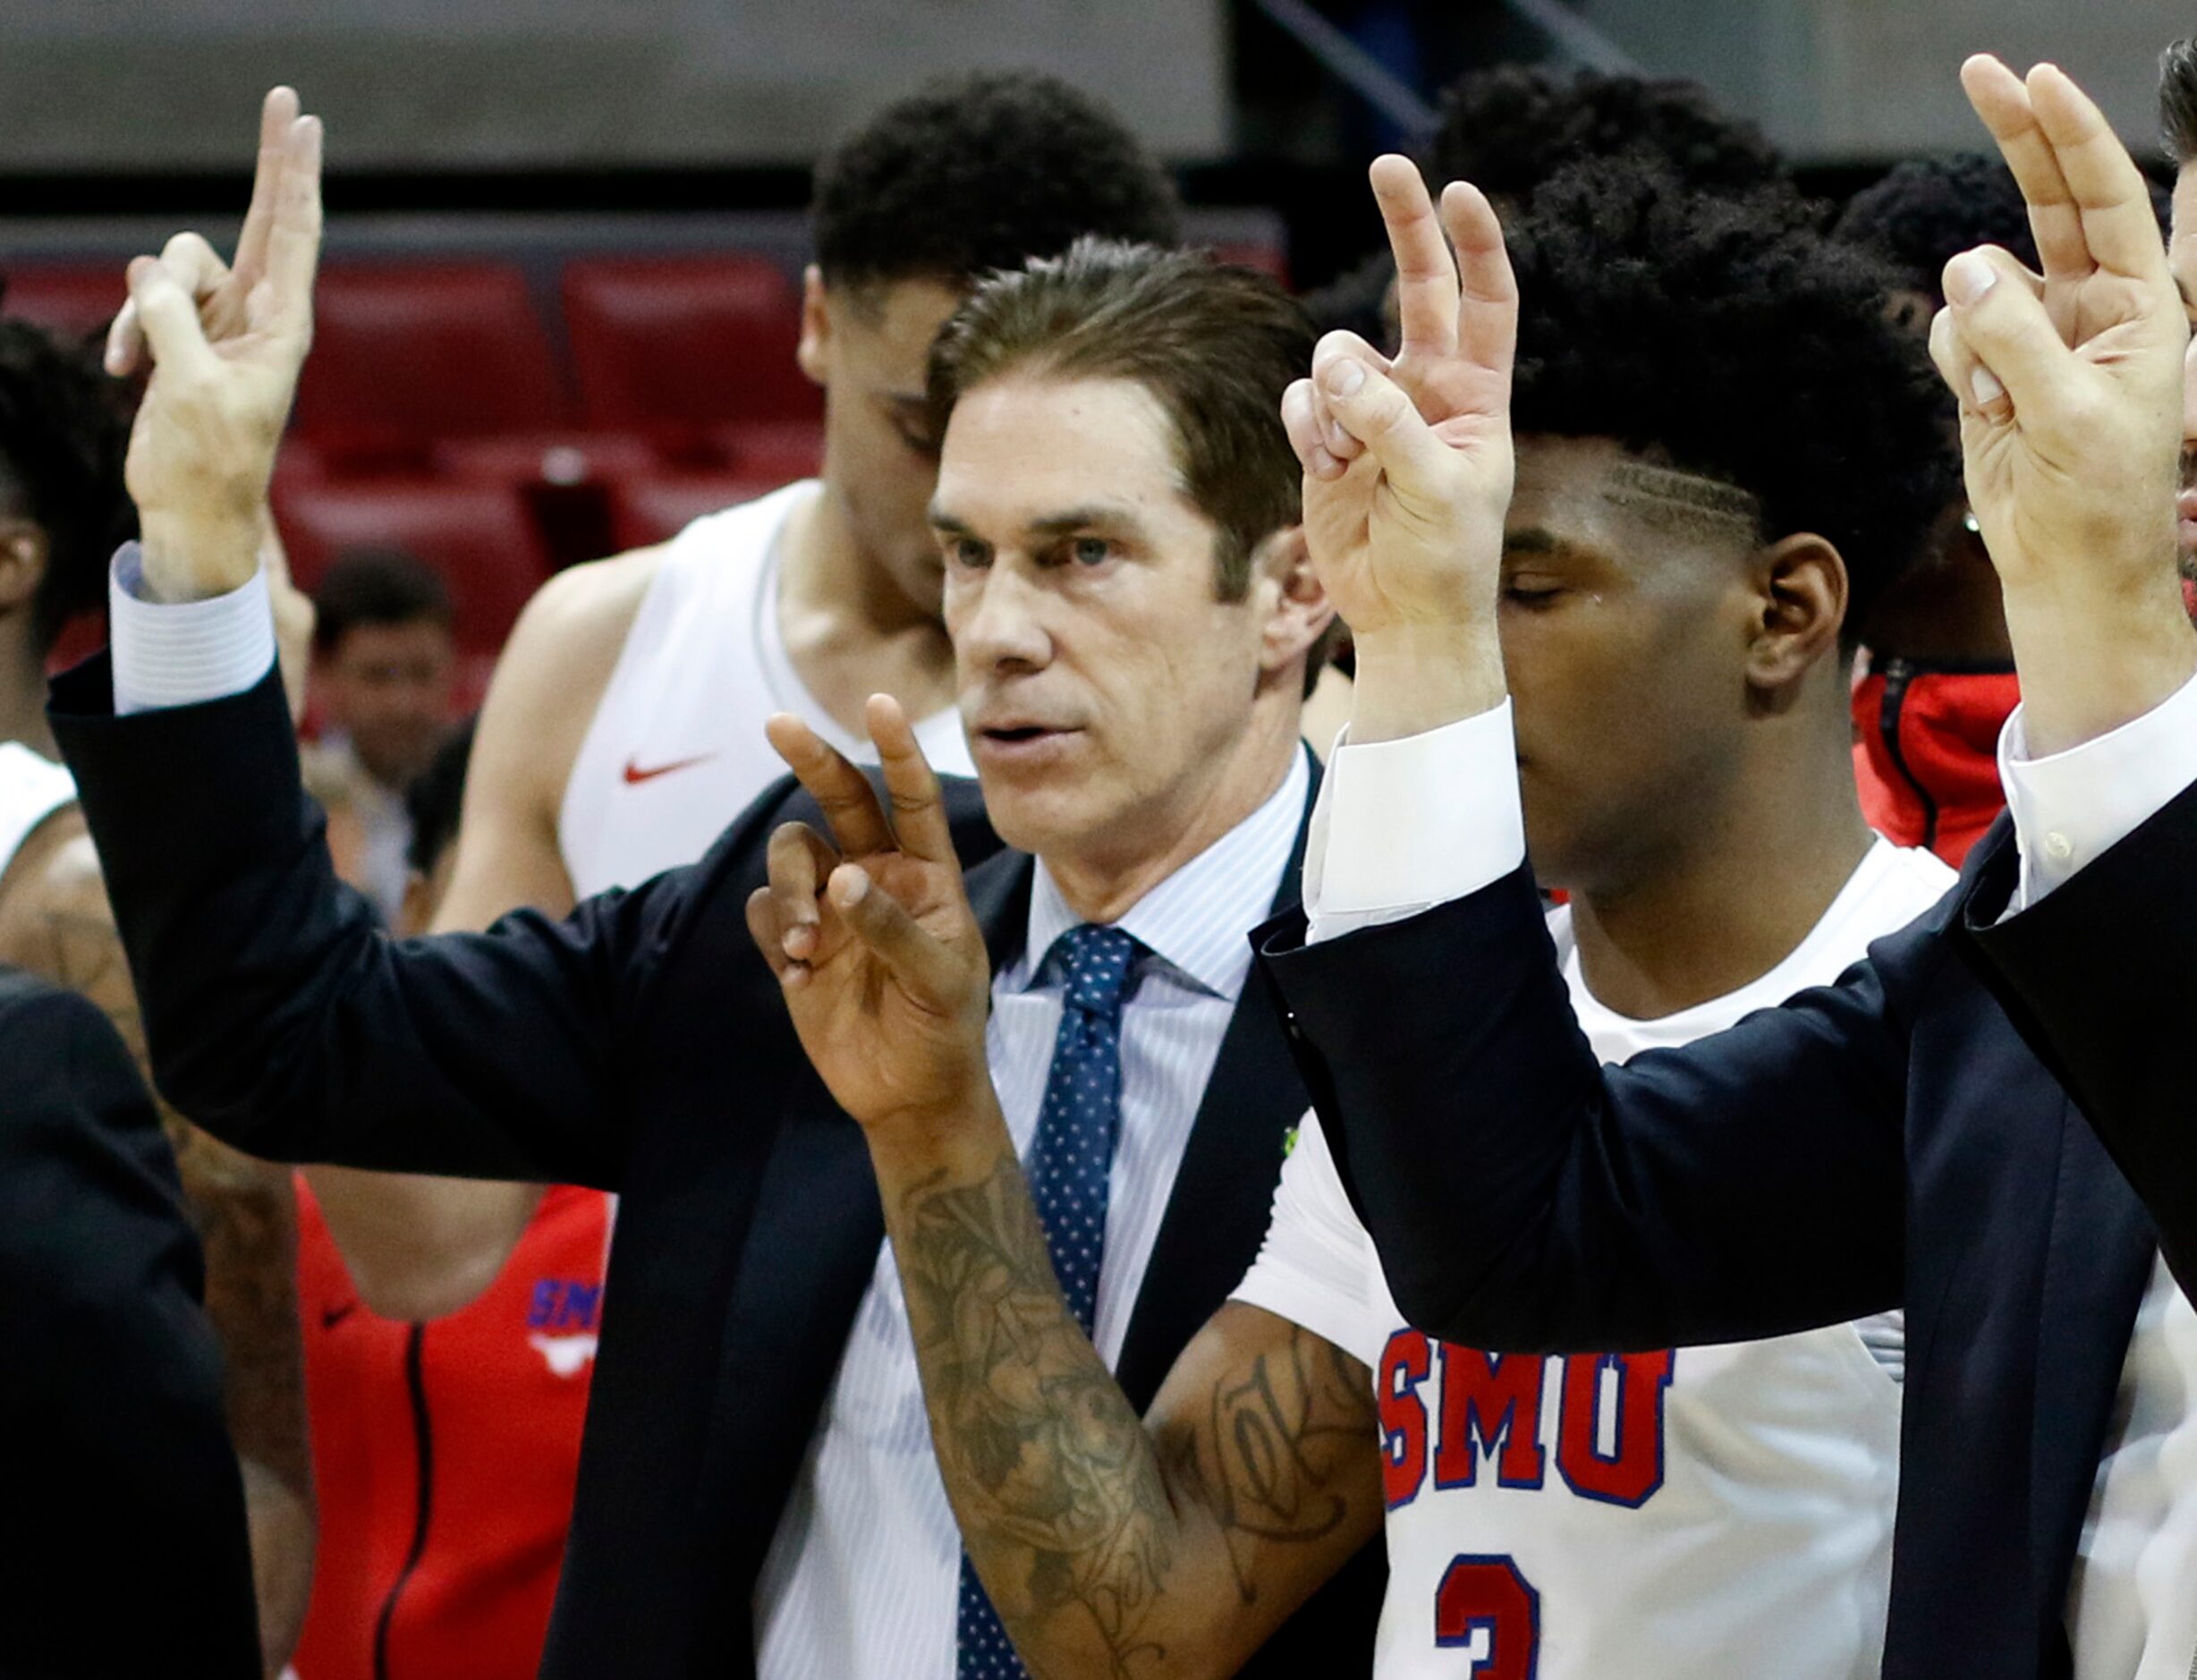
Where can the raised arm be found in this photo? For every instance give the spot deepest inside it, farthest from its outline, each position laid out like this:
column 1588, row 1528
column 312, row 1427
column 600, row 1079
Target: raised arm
column 1110, row 1545
column 277, row 1017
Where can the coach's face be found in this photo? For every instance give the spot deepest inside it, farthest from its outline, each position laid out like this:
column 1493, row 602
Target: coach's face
column 1108, row 691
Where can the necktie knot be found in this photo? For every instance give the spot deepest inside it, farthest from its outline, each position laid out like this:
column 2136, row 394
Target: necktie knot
column 1095, row 964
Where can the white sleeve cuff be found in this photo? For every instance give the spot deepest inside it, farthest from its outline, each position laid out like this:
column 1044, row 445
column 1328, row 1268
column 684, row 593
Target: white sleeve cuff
column 2073, row 806
column 186, row 652
column 1403, row 826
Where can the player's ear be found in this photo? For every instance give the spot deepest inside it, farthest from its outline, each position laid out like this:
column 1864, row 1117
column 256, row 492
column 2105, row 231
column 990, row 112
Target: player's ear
column 1801, row 585
column 816, row 325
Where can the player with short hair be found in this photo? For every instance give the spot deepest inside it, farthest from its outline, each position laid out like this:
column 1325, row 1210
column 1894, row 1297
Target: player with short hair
column 624, row 728
column 1682, row 557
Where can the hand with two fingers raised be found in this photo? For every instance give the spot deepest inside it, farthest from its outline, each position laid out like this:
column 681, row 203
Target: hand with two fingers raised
column 1408, row 464
column 870, row 931
column 225, row 345
column 2070, row 391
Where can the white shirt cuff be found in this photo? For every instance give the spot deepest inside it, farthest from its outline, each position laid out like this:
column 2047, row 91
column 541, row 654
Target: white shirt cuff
column 1403, row 826
column 2073, row 806
column 184, row 653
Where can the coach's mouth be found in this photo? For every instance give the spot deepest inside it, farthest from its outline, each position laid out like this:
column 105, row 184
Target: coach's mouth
column 1017, row 742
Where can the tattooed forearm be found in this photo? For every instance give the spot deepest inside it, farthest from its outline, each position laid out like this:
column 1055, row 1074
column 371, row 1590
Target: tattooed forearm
column 1109, row 1549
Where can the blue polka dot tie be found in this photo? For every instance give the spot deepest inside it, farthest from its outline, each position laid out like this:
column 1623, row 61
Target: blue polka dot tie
column 1070, row 1160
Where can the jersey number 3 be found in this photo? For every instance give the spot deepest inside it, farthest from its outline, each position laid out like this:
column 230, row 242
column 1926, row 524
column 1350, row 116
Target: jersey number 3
column 1486, row 1602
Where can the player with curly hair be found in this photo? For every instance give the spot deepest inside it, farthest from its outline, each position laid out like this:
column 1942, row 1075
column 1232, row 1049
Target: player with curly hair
column 1726, row 444
column 1509, row 128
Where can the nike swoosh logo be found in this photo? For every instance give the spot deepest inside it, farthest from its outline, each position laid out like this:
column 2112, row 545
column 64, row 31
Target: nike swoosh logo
column 635, row 775
column 330, row 1316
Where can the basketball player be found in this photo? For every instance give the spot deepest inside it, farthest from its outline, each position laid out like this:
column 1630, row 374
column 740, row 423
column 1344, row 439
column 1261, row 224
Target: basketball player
column 1689, row 535
column 63, row 427
column 624, row 729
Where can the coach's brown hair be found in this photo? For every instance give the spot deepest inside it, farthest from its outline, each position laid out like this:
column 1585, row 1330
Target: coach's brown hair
column 2178, row 99
column 1216, row 344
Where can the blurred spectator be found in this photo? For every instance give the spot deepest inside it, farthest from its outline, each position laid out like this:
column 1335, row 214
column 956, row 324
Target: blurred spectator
column 383, row 668
column 443, row 1454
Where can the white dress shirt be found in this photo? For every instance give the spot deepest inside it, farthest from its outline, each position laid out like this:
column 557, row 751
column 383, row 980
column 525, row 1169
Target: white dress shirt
column 1405, row 825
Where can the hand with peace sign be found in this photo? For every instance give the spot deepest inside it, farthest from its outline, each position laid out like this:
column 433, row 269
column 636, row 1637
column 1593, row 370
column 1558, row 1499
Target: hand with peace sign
column 1408, row 464
column 870, row 933
column 2070, row 391
column 226, row 344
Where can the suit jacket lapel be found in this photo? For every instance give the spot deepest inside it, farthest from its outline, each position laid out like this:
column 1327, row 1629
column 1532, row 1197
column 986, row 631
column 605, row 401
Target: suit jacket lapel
column 1224, row 1192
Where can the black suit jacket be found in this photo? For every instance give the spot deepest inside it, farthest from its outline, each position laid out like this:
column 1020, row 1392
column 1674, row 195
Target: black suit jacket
column 641, row 1046
column 1895, row 1140
column 124, row 1514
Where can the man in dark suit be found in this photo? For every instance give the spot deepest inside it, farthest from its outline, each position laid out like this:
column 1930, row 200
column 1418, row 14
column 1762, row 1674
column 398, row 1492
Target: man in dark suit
column 1986, row 1123
column 756, row 1489
column 128, row 1551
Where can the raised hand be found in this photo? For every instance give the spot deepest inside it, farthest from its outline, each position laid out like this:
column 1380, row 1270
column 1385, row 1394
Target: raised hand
column 1408, row 462
column 870, row 933
column 2070, row 392
column 226, row 344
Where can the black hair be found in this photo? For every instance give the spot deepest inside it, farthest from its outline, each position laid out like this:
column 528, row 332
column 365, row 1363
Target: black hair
column 375, row 586
column 435, row 798
column 1509, row 129
column 64, row 430
column 2178, row 99
column 1357, row 302
column 1928, row 210
column 981, row 171
column 1725, row 337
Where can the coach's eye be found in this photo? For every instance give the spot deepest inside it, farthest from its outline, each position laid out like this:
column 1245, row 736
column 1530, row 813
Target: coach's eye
column 967, row 551
column 1092, row 551
column 1528, row 593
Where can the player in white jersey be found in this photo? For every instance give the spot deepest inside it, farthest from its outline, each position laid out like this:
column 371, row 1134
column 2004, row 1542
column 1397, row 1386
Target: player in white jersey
column 624, row 729
column 1674, row 604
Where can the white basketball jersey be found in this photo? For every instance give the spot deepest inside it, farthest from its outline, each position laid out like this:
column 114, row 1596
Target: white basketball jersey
column 677, row 748
column 1688, row 1513
column 31, row 790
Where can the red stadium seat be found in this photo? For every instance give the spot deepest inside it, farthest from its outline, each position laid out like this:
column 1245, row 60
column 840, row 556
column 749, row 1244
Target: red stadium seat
column 478, row 535
column 682, row 345
column 646, row 511
column 78, row 299
column 407, row 353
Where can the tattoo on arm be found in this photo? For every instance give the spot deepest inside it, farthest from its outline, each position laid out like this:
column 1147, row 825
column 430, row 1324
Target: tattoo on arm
column 1080, row 1521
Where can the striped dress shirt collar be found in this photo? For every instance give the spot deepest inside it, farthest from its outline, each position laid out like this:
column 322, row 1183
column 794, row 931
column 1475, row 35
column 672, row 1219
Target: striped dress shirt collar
column 1196, row 920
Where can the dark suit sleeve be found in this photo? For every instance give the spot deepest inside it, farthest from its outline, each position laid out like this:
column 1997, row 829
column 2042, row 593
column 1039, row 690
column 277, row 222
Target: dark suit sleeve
column 1523, row 1197
column 2101, row 979
column 284, row 1021
column 127, row 1550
